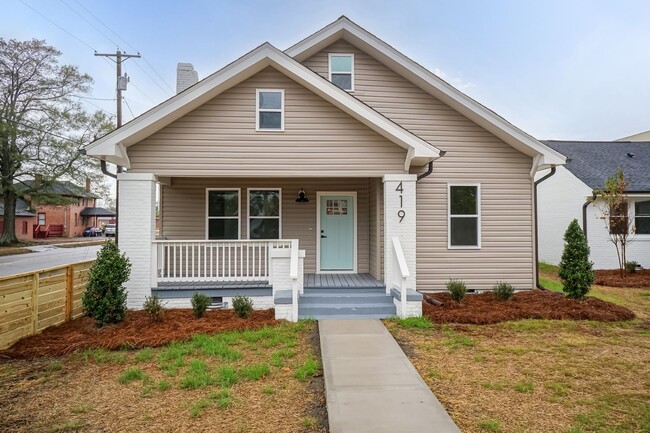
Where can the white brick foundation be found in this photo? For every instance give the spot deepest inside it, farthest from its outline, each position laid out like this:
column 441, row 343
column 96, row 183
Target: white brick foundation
column 259, row 302
column 284, row 311
column 136, row 232
column 413, row 308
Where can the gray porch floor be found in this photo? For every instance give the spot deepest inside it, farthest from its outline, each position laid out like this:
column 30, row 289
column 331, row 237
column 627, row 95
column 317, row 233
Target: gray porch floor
column 340, row 281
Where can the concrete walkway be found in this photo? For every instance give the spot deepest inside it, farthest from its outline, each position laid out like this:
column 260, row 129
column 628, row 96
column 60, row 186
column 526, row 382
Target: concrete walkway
column 371, row 385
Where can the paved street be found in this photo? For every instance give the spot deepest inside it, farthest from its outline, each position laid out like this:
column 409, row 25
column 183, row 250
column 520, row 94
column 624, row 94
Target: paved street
column 47, row 257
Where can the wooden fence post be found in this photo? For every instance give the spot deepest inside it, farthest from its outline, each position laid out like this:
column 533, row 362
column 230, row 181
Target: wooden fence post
column 35, row 283
column 69, row 284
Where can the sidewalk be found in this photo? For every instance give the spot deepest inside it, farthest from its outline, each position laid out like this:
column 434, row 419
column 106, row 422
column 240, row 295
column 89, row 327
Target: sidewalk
column 371, row 385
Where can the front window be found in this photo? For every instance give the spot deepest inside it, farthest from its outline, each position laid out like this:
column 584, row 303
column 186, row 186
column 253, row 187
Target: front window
column 270, row 110
column 642, row 217
column 264, row 210
column 341, row 69
column 464, row 204
column 41, row 219
column 223, row 214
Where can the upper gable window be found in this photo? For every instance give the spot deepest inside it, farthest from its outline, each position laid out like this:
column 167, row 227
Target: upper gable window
column 341, row 70
column 269, row 110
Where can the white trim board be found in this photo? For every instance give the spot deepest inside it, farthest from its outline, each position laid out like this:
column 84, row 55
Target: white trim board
column 356, row 231
column 207, row 204
column 479, row 231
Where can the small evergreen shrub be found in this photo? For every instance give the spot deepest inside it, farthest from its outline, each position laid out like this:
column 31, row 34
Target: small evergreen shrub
column 576, row 270
column 243, row 306
column 457, row 289
column 200, row 303
column 105, row 297
column 154, row 307
column 630, row 266
column 503, row 290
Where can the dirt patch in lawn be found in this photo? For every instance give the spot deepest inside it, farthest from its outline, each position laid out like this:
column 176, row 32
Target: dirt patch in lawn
column 485, row 308
column 12, row 251
column 612, row 278
column 137, row 330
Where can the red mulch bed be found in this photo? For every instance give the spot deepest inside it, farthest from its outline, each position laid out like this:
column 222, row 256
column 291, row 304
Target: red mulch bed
column 485, row 308
column 135, row 331
column 612, row 278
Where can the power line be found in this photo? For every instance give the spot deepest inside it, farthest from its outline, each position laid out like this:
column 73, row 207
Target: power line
column 89, row 23
column 101, row 109
column 154, row 81
column 52, row 22
column 126, row 101
column 6, row 119
column 94, row 99
column 105, row 25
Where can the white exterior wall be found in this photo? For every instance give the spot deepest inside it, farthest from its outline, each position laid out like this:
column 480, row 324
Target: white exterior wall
column 137, row 226
column 405, row 229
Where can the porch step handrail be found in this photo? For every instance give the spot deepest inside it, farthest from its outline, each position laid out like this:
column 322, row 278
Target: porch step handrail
column 215, row 260
column 400, row 273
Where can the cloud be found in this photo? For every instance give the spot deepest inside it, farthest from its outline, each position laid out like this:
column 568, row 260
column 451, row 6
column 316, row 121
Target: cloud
column 457, row 82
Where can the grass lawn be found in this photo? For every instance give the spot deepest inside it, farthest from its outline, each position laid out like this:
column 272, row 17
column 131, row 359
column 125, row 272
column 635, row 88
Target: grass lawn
column 240, row 381
column 540, row 375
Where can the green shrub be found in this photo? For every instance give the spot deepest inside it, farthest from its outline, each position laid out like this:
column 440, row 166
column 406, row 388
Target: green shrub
column 200, row 303
column 105, row 297
column 631, row 265
column 576, row 270
column 154, row 308
column 503, row 290
column 243, row 306
column 457, row 289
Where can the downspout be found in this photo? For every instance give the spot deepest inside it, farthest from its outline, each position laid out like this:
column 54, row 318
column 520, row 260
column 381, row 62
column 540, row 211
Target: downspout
column 430, row 168
column 584, row 213
column 551, row 173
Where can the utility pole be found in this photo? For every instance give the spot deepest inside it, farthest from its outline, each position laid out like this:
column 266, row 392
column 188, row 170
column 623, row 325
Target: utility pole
column 120, row 86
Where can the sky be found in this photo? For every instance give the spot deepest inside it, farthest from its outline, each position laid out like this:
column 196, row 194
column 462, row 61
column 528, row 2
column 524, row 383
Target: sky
column 568, row 69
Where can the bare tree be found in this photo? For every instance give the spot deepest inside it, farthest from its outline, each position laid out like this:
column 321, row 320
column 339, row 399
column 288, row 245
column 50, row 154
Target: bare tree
column 42, row 123
column 615, row 208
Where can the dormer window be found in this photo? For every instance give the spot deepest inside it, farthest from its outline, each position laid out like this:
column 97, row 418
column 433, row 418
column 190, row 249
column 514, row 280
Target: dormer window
column 269, row 110
column 341, row 70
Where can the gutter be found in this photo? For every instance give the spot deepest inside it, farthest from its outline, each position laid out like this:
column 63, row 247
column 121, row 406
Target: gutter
column 584, row 214
column 430, row 169
column 539, row 286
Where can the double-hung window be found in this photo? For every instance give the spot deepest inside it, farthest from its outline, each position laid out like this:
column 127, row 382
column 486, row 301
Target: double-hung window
column 642, row 217
column 341, row 70
column 264, row 212
column 269, row 110
column 223, row 214
column 464, row 216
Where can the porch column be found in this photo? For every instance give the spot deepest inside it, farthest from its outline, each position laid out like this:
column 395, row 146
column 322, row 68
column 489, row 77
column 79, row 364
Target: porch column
column 137, row 230
column 399, row 221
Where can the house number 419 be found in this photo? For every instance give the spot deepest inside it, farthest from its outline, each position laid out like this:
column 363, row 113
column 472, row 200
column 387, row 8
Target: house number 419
column 400, row 213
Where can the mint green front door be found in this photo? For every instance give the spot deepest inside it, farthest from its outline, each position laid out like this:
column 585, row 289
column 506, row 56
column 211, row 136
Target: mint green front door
column 337, row 233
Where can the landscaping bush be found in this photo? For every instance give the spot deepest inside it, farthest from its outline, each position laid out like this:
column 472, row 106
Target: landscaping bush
column 457, row 289
column 503, row 290
column 154, row 307
column 243, row 306
column 631, row 265
column 200, row 303
column 576, row 270
column 105, row 297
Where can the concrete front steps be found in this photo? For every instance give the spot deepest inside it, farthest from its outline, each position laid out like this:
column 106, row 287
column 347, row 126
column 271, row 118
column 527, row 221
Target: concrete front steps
column 345, row 303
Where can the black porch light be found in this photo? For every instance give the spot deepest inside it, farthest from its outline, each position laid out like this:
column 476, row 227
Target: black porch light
column 301, row 197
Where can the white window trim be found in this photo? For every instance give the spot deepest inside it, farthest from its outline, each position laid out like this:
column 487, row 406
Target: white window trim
column 248, row 211
column 329, row 68
column 269, row 110
column 207, row 211
column 632, row 214
column 478, row 216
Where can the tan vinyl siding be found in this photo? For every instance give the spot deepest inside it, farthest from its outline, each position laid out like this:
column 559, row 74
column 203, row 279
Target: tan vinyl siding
column 219, row 139
column 183, row 210
column 473, row 155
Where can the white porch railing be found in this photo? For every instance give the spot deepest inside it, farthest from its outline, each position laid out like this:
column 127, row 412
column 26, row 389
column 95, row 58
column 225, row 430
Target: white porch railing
column 295, row 284
column 400, row 273
column 209, row 260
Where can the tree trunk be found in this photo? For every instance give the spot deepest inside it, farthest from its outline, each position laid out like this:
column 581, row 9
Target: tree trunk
column 9, row 234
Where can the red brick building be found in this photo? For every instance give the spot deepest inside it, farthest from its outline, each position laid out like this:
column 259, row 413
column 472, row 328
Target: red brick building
column 25, row 220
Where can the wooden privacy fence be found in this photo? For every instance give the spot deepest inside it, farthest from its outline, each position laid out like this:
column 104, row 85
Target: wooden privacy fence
column 33, row 301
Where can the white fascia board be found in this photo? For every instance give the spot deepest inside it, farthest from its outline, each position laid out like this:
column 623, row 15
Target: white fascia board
column 245, row 67
column 427, row 81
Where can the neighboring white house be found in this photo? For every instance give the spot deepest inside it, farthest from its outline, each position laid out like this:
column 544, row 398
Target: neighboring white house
column 562, row 197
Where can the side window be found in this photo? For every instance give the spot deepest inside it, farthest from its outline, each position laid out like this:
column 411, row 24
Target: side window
column 642, row 217
column 41, row 219
column 269, row 110
column 264, row 213
column 223, row 214
column 341, row 70
column 464, row 216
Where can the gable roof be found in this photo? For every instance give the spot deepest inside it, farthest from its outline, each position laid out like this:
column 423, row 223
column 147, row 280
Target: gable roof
column 112, row 147
column 594, row 161
column 22, row 208
column 344, row 28
column 641, row 136
column 60, row 187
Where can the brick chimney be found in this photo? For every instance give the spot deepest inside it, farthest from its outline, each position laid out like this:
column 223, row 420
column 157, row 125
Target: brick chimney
column 186, row 76
column 87, row 184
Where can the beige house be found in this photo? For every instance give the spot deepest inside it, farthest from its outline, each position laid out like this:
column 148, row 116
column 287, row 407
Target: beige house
column 330, row 179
